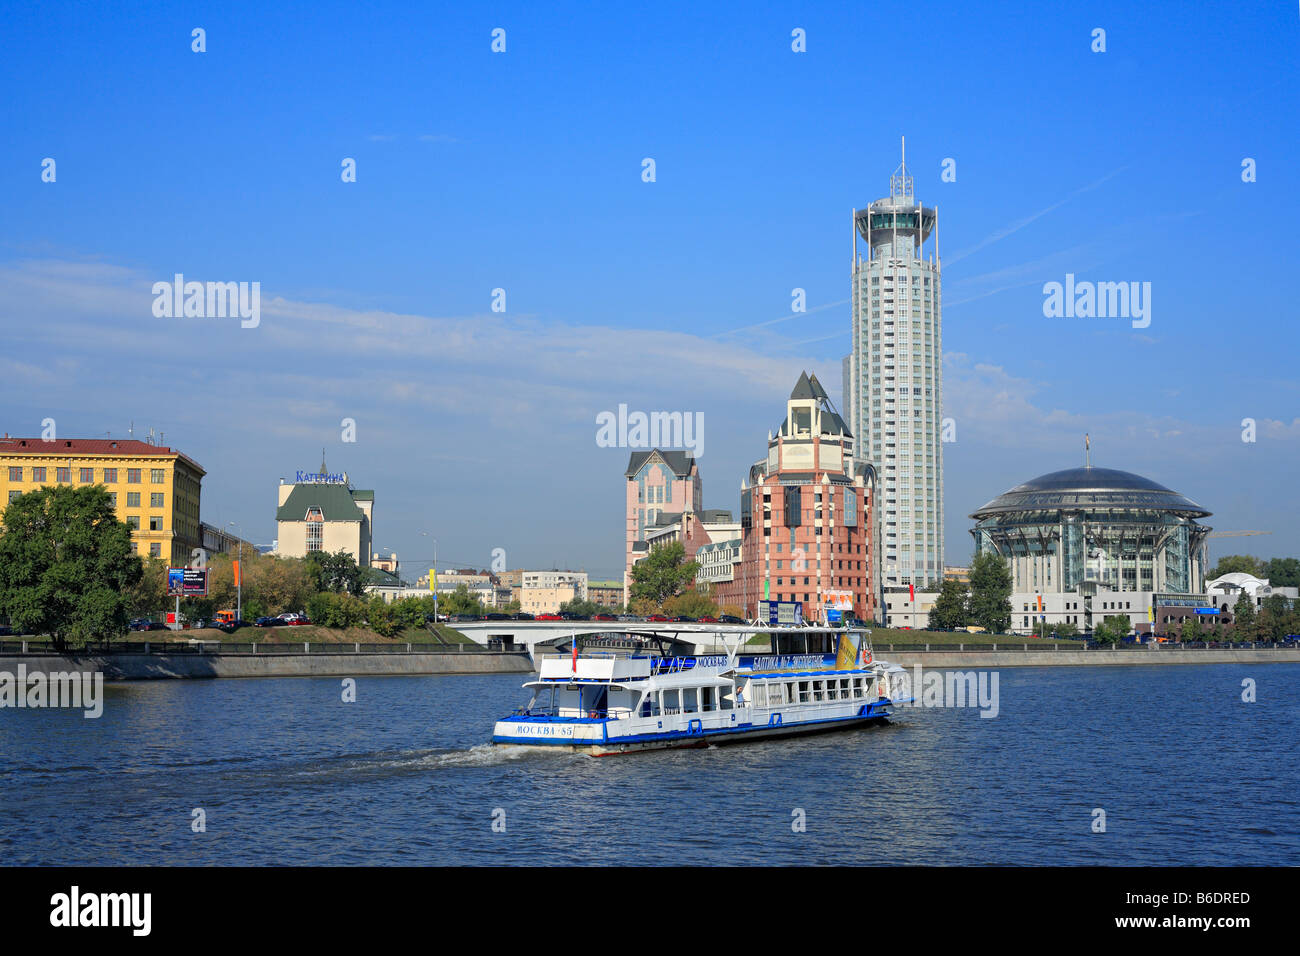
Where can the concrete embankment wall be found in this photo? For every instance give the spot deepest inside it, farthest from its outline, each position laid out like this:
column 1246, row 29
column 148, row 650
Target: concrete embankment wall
column 1096, row 658
column 164, row 666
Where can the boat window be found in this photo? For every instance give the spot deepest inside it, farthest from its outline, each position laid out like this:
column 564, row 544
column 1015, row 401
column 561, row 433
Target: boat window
column 776, row 693
column 760, row 695
column 857, row 687
column 724, row 698
column 690, row 700
column 844, row 688
column 706, row 700
column 803, row 692
column 817, row 688
column 790, row 693
column 650, row 705
column 671, row 702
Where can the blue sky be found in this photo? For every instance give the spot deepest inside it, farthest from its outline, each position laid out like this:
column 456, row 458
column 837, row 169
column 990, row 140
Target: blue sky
column 522, row 170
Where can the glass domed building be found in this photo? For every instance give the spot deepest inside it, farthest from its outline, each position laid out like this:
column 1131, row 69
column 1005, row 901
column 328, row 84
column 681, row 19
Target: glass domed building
column 1087, row 541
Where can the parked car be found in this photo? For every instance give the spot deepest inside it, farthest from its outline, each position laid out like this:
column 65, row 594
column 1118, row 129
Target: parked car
column 548, row 617
column 657, row 617
column 232, row 625
column 707, row 619
column 269, row 622
column 603, row 617
column 729, row 619
column 522, row 616
column 573, row 616
column 682, row 618
column 465, row 617
column 496, row 616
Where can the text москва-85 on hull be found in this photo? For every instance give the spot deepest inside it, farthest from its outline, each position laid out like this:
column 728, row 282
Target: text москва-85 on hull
column 602, row 704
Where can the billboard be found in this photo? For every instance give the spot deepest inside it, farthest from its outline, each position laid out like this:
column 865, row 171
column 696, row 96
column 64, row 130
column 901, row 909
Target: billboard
column 778, row 613
column 187, row 582
column 838, row 600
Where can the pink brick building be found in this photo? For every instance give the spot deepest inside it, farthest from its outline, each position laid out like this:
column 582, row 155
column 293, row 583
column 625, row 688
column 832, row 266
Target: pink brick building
column 806, row 515
column 661, row 487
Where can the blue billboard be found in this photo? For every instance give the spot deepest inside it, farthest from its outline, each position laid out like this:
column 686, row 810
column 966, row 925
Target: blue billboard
column 781, row 613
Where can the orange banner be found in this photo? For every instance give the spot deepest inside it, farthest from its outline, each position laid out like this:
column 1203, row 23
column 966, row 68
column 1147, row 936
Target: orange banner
column 235, row 564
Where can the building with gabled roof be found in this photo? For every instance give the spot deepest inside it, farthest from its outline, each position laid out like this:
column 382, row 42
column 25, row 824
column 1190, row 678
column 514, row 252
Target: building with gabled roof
column 807, row 520
column 323, row 512
column 662, row 485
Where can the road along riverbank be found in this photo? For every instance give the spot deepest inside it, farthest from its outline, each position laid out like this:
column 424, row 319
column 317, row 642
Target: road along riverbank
column 337, row 663
column 1093, row 658
column 134, row 666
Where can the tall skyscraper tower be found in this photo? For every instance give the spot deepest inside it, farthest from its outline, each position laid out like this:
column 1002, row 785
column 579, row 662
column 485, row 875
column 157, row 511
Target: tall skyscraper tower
column 894, row 379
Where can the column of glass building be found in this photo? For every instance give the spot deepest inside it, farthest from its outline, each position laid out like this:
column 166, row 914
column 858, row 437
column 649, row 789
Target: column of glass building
column 894, row 378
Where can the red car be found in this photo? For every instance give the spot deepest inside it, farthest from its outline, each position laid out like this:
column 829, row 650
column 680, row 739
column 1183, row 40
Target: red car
column 548, row 617
column 707, row 619
column 602, row 617
column 657, row 617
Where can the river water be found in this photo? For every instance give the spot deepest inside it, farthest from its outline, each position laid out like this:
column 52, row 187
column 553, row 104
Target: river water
column 285, row 772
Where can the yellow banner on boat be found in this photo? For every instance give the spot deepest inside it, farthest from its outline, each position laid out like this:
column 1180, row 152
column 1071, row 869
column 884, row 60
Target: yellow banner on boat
column 846, row 658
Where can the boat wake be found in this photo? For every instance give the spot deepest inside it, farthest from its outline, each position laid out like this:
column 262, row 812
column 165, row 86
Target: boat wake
column 487, row 755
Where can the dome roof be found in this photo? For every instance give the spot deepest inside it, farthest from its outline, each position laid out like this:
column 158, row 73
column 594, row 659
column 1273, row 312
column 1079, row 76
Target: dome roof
column 1090, row 488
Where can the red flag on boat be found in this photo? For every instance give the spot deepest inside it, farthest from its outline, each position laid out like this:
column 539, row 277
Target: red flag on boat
column 575, row 654
column 911, row 593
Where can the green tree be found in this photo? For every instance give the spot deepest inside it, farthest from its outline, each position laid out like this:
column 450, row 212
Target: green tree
column 148, row 596
column 662, row 574
column 1243, row 618
column 696, row 601
column 950, row 609
column 1065, row 629
column 581, row 608
column 990, row 592
column 1283, row 572
column 1113, row 629
column 459, row 601
column 1189, row 631
column 337, row 572
column 1238, row 562
column 1274, row 618
column 410, row 612
column 381, row 617
column 67, row 565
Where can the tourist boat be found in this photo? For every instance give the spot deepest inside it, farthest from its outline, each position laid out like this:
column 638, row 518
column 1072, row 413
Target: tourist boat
column 602, row 704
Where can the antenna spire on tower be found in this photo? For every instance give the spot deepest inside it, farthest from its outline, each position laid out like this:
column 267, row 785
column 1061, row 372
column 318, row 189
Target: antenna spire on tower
column 1087, row 451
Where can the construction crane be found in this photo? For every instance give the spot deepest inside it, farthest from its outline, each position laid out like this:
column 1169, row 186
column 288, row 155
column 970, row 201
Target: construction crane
column 1234, row 534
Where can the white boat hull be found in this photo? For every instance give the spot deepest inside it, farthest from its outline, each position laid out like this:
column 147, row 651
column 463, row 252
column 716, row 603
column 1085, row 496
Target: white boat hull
column 604, row 738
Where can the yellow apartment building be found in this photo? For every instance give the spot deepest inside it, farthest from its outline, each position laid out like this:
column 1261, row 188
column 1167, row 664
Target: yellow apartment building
column 155, row 489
